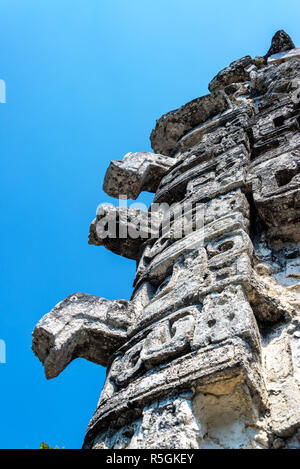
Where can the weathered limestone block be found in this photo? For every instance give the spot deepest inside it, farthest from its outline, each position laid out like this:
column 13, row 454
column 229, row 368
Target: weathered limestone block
column 219, row 207
column 135, row 173
column 282, row 385
column 274, row 147
column 289, row 233
column 167, row 341
column 282, row 262
column 284, row 56
column 276, row 189
column 275, row 130
column 158, row 343
column 192, row 208
column 180, row 288
column 173, row 125
column 161, row 264
column 274, row 118
column 215, row 136
column 127, row 366
column 237, row 71
column 270, row 302
column 194, row 276
column 83, row 326
column 281, row 41
column 210, row 365
column 165, row 423
column 276, row 79
column 229, row 418
column 294, row 343
column 214, row 176
column 123, row 230
column 226, row 314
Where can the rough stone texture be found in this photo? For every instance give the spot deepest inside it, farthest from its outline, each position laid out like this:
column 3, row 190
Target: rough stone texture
column 171, row 420
column 206, row 354
column 284, row 56
column 281, row 41
column 136, row 172
column 238, row 71
column 123, row 230
column 80, row 326
column 175, row 124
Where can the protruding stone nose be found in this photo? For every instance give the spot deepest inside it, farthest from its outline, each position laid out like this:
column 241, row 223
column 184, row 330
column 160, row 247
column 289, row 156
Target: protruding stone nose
column 81, row 325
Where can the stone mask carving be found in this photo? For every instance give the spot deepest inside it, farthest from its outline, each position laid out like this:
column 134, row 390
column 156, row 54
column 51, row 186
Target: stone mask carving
column 206, row 352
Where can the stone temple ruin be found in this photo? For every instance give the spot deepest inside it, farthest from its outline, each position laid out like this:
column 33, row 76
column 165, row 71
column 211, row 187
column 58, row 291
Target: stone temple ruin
column 206, row 354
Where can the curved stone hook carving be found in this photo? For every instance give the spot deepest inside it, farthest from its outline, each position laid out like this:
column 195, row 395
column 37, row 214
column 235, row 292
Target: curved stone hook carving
column 81, row 325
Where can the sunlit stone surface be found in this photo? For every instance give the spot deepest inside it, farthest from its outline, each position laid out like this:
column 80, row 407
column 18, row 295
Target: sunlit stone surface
column 206, row 354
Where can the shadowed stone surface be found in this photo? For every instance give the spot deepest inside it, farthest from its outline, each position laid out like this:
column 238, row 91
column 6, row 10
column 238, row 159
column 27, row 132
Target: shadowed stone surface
column 280, row 42
column 206, row 354
column 238, row 71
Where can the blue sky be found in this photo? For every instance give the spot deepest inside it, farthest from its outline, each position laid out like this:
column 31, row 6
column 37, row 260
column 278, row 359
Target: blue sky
column 86, row 80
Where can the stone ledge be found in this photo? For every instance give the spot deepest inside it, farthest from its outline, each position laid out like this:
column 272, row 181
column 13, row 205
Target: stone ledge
column 175, row 124
column 135, row 173
column 222, row 361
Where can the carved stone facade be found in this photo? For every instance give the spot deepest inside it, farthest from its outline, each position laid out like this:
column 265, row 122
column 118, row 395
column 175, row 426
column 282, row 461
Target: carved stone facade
column 206, row 354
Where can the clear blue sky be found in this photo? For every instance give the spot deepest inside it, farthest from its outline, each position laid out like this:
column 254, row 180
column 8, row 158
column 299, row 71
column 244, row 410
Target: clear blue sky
column 86, row 80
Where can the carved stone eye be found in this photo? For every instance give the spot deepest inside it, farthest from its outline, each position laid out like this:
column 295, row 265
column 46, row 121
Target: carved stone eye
column 226, row 246
column 279, row 121
column 284, row 176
